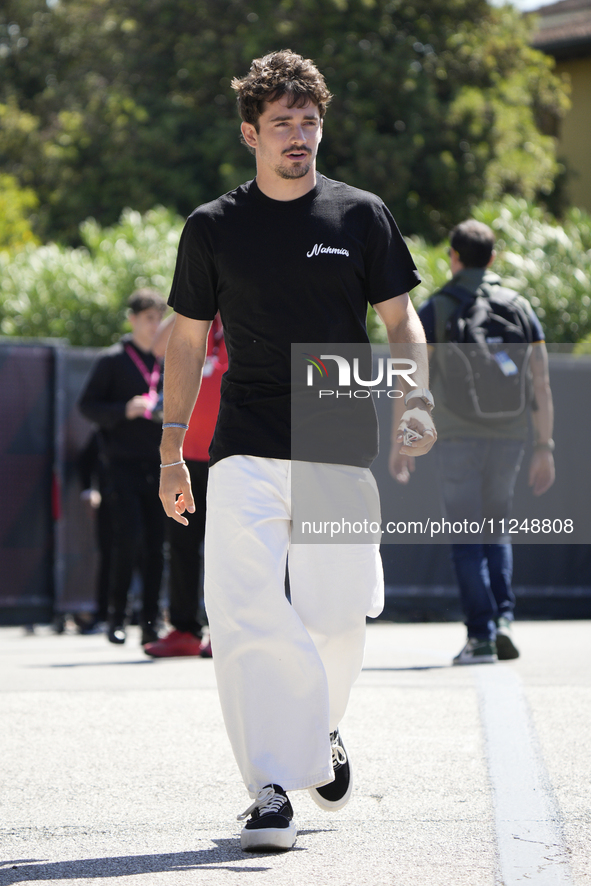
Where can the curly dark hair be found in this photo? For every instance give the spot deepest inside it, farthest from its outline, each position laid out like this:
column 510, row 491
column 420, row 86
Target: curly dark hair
column 278, row 74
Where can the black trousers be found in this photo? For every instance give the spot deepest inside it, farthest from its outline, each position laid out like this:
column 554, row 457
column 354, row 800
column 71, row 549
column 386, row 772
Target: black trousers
column 104, row 536
column 186, row 557
column 137, row 520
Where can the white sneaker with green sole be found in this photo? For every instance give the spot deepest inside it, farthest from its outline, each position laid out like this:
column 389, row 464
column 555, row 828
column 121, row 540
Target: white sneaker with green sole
column 477, row 652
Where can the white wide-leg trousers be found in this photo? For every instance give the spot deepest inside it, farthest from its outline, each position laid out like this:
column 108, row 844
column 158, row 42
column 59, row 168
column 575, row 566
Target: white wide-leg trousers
column 284, row 671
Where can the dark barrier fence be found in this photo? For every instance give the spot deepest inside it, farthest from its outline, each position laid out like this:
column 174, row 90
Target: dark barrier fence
column 76, row 555
column 48, row 553
column 47, row 536
column 27, row 485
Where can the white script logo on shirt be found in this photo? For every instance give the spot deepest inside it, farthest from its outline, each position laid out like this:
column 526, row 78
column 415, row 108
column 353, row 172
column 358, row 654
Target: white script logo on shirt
column 321, row 248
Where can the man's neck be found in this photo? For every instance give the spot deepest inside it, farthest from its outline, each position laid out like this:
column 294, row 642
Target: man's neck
column 145, row 348
column 470, row 278
column 277, row 188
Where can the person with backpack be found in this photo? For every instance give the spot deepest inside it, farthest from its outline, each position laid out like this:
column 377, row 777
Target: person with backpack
column 489, row 372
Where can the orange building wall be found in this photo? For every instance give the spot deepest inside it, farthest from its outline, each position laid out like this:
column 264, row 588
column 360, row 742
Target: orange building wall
column 575, row 131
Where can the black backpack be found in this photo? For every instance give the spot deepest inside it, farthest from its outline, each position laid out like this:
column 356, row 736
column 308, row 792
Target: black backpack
column 485, row 361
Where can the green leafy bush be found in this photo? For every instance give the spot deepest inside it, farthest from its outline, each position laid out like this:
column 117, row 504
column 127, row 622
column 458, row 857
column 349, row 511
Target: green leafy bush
column 80, row 294
column 548, row 262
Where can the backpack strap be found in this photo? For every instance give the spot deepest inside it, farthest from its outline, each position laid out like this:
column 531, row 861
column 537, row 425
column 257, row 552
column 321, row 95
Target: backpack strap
column 460, row 295
column 513, row 300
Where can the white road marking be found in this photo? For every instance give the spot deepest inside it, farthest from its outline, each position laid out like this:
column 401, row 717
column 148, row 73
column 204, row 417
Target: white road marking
column 530, row 843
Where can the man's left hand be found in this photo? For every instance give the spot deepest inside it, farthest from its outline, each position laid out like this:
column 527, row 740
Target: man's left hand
column 402, row 455
column 541, row 471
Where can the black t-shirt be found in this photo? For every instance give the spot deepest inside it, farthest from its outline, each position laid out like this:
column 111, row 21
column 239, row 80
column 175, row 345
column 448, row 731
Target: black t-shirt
column 280, row 272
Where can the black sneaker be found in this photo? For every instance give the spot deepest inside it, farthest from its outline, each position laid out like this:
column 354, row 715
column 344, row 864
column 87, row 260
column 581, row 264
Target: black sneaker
column 506, row 648
column 149, row 633
column 335, row 794
column 270, row 827
column 116, row 634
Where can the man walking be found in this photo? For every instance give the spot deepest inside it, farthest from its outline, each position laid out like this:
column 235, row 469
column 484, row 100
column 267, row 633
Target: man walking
column 478, row 455
column 289, row 257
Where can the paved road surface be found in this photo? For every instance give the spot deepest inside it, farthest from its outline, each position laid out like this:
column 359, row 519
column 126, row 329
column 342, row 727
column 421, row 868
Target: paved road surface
column 116, row 769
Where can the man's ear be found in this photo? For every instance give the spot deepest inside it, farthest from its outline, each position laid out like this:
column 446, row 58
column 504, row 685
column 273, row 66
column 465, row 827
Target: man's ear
column 491, row 259
column 249, row 134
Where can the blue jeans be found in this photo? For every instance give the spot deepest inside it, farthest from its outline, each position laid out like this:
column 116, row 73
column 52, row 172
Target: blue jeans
column 477, row 479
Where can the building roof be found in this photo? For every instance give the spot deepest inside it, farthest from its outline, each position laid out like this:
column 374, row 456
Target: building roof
column 564, row 29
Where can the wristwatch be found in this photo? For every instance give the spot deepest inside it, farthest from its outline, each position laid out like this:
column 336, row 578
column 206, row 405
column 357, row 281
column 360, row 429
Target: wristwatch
column 548, row 445
column 423, row 394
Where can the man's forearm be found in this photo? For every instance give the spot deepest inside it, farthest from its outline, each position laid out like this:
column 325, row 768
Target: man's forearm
column 182, row 379
column 543, row 418
column 543, row 414
column 407, row 341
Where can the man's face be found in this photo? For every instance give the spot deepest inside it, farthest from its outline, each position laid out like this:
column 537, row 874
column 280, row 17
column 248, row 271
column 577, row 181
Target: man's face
column 286, row 141
column 144, row 326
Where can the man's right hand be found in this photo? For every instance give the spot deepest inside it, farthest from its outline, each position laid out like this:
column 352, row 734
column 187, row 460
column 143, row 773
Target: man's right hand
column 136, row 407
column 185, row 356
column 175, row 492
column 400, row 465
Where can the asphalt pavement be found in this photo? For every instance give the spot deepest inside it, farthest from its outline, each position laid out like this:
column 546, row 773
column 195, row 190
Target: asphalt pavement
column 116, row 768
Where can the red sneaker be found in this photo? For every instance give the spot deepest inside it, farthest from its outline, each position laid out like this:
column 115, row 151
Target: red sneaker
column 177, row 643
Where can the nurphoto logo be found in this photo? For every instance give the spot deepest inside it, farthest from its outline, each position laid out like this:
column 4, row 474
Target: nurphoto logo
column 388, row 369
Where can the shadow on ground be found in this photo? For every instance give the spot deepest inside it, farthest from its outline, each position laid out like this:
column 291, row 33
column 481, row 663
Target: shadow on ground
column 415, row 668
column 218, row 857
column 94, row 664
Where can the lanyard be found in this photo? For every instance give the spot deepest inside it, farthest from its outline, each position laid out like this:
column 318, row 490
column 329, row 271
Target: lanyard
column 151, row 378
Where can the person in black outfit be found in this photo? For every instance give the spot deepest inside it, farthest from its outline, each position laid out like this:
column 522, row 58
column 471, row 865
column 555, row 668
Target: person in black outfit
column 121, row 396
column 185, row 587
column 93, row 478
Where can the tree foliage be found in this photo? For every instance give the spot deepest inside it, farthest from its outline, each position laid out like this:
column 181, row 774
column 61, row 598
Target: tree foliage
column 17, row 208
column 113, row 103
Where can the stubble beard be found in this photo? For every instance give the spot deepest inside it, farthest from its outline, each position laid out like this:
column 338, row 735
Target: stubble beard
column 291, row 172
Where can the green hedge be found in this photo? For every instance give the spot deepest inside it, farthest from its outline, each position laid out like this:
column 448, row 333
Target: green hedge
column 548, row 262
column 80, row 294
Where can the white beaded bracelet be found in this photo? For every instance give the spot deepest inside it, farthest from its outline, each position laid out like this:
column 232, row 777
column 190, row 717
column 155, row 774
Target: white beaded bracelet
column 175, row 424
column 173, row 464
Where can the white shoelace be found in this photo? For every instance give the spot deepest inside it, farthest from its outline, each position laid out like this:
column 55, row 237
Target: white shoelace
column 339, row 757
column 266, row 801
